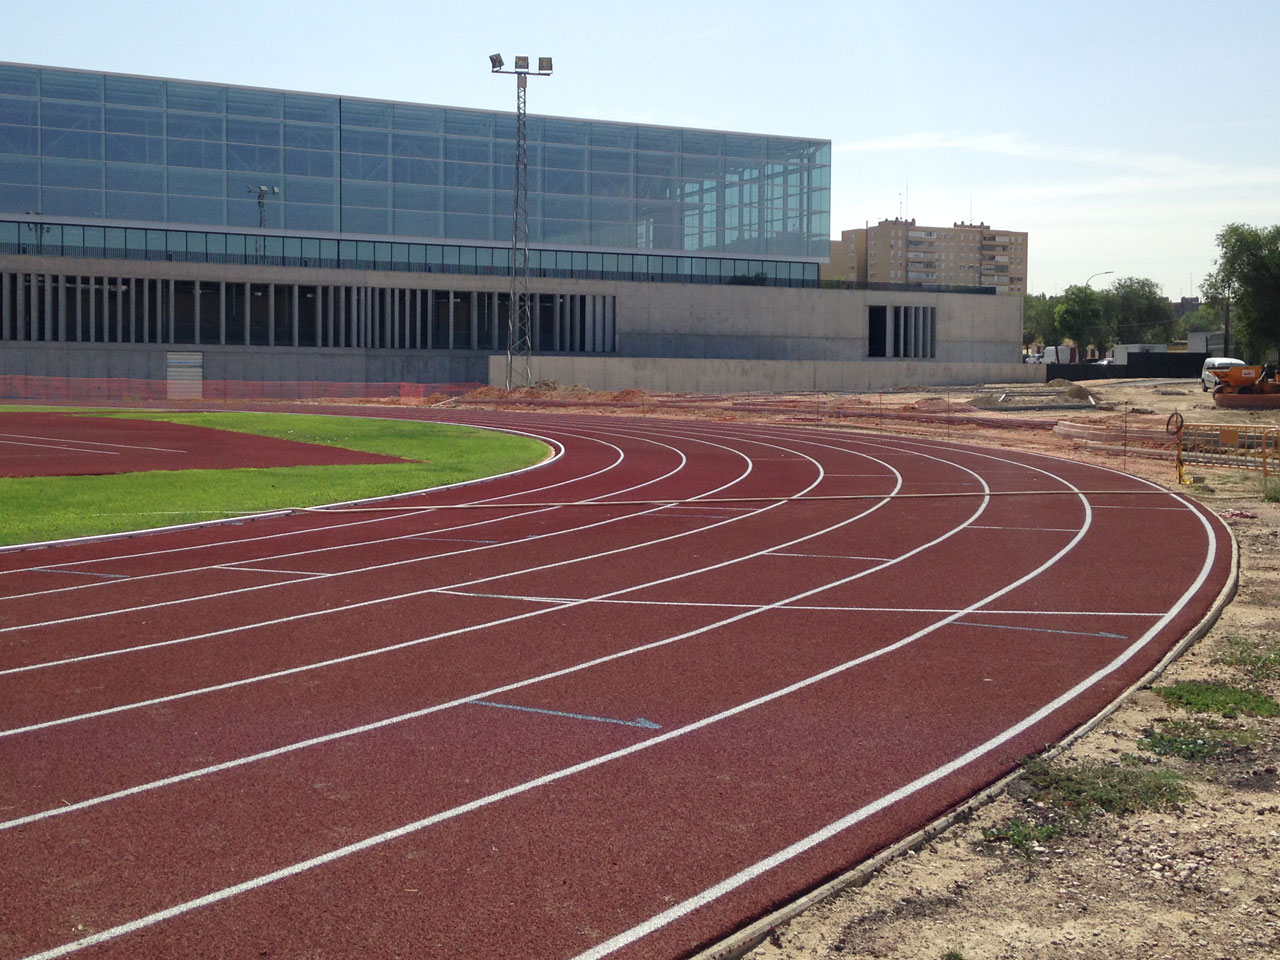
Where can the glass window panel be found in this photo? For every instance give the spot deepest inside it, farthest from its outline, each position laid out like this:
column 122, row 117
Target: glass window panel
column 564, row 158
column 195, row 153
column 416, row 145
column 365, row 141
column 468, row 123
column 611, row 161
column 564, row 131
column 707, row 168
column 466, row 201
column 365, row 220
column 71, row 173
column 407, row 116
column 310, row 190
column 135, row 177
column 264, row 133
column 381, row 253
column 621, row 135
column 311, row 109
column 413, row 197
column 413, row 223
column 255, row 103
column 656, row 188
column 196, row 97
column 466, row 174
column 135, row 90
column 657, row 138
column 242, row 156
column 22, row 110
column 24, row 170
column 366, row 194
column 565, row 208
column 564, row 181
column 134, row 120
column 611, row 185
column 365, row 113
column 20, row 81
column 616, row 211
column 71, row 116
column 359, row 166
column 703, row 143
column 466, row 150
column 194, row 126
column 126, row 149
column 19, row 197
column 310, row 216
column 135, row 206
column 416, row 171
column 73, row 144
column 657, row 164
column 63, row 202
column 310, row 163
column 782, row 149
column 311, row 136
column 466, row 226
column 60, row 85
column 197, row 183
column 23, row 140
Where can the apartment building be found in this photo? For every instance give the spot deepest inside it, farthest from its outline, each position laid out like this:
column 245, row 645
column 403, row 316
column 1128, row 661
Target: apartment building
column 902, row 251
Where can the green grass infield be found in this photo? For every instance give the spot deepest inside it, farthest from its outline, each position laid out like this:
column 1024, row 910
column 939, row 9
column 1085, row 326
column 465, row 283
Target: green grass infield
column 53, row 508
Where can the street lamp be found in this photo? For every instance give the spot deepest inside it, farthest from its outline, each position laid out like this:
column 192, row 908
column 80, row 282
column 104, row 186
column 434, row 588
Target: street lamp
column 1102, row 274
column 263, row 192
column 519, row 322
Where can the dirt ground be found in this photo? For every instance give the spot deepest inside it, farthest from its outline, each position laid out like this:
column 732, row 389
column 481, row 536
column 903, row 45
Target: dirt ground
column 1201, row 881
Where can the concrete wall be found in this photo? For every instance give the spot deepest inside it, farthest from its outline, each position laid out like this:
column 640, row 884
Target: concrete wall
column 775, row 376
column 148, row 362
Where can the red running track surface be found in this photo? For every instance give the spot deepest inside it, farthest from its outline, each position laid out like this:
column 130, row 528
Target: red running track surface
column 41, row 444
column 621, row 705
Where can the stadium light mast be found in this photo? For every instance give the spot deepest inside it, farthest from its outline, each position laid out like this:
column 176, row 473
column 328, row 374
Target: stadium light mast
column 519, row 320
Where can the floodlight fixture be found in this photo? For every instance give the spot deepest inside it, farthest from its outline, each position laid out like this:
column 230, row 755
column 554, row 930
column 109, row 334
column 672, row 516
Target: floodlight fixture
column 495, row 61
column 522, row 63
column 544, row 64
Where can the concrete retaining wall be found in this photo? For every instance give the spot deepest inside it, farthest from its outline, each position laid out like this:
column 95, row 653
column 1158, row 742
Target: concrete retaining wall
column 775, row 376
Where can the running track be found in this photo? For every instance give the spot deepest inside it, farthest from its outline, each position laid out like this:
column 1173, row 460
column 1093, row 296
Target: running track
column 574, row 719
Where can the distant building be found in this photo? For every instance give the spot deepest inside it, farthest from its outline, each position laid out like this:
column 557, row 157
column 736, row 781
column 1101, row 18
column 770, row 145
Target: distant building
column 1185, row 306
column 901, row 251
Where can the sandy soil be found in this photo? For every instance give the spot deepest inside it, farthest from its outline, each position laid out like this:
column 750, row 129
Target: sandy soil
column 1200, row 882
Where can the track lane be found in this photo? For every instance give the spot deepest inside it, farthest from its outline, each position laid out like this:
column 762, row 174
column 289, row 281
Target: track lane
column 717, row 659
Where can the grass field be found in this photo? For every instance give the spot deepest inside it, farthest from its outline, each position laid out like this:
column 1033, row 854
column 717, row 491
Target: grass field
column 50, row 508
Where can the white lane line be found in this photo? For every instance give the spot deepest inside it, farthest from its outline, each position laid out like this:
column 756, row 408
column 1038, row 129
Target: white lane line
column 428, row 537
column 828, row 556
column 292, row 573
column 81, row 573
column 1032, row 529
column 631, row 935
column 92, row 443
column 57, row 446
column 1040, row 630
column 760, row 867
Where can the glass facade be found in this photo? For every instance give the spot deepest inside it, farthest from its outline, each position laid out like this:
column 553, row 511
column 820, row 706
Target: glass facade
column 80, row 147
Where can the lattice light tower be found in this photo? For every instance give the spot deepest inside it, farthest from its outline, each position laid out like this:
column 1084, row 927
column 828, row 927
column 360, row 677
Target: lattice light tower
column 519, row 320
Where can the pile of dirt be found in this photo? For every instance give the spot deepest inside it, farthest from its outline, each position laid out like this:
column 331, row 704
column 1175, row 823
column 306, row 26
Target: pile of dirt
column 483, row 395
column 937, row 405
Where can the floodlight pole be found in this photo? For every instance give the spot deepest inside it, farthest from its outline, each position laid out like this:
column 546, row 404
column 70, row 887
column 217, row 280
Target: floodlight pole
column 519, row 318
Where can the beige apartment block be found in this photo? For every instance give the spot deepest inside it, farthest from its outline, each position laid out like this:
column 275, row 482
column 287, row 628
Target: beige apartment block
column 902, row 251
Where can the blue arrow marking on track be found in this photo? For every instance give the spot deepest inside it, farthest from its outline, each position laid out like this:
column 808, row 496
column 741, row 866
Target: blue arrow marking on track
column 1009, row 626
column 638, row 722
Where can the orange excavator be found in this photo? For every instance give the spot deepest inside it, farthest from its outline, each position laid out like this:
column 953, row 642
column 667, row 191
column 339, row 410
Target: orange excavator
column 1250, row 387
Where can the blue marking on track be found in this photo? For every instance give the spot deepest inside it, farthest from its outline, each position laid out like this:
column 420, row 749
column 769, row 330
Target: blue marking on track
column 82, row 573
column 1071, row 633
column 638, row 722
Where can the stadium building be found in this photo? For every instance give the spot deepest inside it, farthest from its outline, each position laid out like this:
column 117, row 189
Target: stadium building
column 149, row 225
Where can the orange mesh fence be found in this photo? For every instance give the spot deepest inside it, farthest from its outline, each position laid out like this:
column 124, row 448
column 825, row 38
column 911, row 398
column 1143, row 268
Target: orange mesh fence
column 127, row 390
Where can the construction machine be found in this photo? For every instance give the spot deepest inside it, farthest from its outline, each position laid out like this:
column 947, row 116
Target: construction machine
column 1249, row 386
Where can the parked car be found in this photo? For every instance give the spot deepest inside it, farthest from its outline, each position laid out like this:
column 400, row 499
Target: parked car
column 1207, row 378
column 1105, row 361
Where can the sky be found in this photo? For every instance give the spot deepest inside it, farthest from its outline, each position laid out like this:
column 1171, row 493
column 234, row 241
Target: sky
column 1121, row 135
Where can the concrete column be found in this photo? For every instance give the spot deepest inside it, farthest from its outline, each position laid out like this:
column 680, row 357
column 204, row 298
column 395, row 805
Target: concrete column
column 222, row 313
column 146, row 311
column 248, row 310
column 195, row 306
column 6, row 321
column 475, row 321
column 450, row 320
column 271, row 314
column 293, row 322
column 92, row 297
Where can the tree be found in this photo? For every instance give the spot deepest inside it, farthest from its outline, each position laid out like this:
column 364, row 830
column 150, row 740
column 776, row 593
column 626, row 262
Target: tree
column 1037, row 320
column 1135, row 310
column 1246, row 279
column 1078, row 315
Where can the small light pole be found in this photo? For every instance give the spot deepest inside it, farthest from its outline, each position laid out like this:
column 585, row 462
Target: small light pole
column 1102, row 274
column 263, row 192
column 519, row 321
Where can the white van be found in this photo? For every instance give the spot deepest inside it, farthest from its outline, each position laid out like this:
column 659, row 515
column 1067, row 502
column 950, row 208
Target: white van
column 1062, row 354
column 1207, row 380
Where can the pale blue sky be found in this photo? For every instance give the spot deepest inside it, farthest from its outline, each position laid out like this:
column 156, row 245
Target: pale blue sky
column 1121, row 135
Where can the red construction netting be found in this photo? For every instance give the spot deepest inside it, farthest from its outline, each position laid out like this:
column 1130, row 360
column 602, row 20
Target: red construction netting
column 125, row 389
